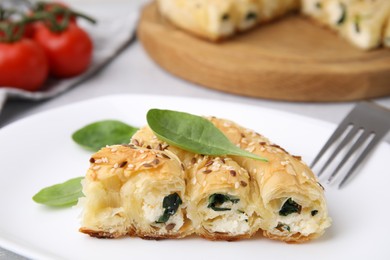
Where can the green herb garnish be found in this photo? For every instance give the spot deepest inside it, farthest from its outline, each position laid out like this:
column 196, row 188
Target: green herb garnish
column 170, row 204
column 343, row 16
column 193, row 133
column 356, row 23
column 251, row 16
column 217, row 199
column 290, row 207
column 99, row 134
column 61, row 195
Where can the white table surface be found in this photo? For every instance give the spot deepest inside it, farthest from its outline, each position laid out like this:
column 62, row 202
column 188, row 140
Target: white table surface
column 134, row 72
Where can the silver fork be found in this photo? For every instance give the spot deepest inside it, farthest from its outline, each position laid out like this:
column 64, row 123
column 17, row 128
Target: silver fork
column 363, row 128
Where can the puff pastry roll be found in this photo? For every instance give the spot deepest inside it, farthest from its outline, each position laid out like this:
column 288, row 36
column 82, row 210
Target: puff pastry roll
column 361, row 22
column 294, row 207
column 219, row 19
column 220, row 199
column 219, row 192
column 134, row 191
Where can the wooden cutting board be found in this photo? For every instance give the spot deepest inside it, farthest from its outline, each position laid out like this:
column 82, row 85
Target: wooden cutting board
column 291, row 59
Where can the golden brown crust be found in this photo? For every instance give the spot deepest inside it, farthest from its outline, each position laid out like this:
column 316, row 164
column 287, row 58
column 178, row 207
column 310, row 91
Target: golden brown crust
column 257, row 185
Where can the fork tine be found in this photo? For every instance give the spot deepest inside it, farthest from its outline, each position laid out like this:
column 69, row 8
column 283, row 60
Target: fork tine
column 337, row 133
column 353, row 149
column 343, row 143
column 366, row 151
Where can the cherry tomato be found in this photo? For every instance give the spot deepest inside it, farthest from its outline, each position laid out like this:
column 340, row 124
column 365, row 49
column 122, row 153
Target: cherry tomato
column 23, row 64
column 69, row 52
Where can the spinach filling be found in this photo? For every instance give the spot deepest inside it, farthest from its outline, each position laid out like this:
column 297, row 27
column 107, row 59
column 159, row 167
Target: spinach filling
column 356, row 23
column 170, row 204
column 290, row 207
column 251, row 16
column 343, row 16
column 217, row 199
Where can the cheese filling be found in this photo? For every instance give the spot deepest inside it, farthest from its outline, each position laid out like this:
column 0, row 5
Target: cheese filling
column 153, row 210
column 233, row 221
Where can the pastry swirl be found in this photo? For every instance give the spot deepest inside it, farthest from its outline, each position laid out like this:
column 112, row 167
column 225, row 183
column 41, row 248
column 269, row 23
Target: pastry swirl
column 153, row 190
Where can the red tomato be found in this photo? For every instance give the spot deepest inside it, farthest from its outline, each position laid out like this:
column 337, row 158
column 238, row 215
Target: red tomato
column 69, row 52
column 23, row 64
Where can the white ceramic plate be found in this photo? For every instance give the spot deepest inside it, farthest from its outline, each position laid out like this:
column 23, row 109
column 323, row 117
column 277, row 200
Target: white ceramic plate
column 38, row 152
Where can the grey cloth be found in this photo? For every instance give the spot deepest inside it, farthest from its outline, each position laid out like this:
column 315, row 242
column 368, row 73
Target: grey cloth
column 110, row 38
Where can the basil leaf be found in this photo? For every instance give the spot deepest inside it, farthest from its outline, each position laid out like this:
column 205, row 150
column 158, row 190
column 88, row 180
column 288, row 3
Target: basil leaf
column 107, row 132
column 61, row 195
column 193, row 133
column 290, row 207
column 170, row 203
column 218, row 199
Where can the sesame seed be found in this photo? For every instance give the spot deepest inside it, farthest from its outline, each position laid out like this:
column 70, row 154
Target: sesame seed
column 122, row 164
column 182, row 166
column 170, row 226
column 148, row 165
column 148, row 147
column 233, row 173
column 250, row 149
column 136, row 142
column 207, row 171
column 113, row 150
column 143, row 156
column 193, row 181
column 284, row 163
column 262, row 149
column 244, row 141
column 209, row 163
column 193, row 160
column 141, row 151
column 243, row 183
column 204, row 183
column 165, row 156
column 130, row 166
column 237, row 185
column 92, row 160
column 159, row 147
column 156, row 161
column 96, row 167
column 223, row 160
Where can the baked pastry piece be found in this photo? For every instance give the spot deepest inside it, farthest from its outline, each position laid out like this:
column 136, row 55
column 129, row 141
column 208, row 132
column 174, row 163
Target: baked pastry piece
column 292, row 201
column 153, row 190
column 220, row 196
column 361, row 22
column 134, row 191
column 219, row 19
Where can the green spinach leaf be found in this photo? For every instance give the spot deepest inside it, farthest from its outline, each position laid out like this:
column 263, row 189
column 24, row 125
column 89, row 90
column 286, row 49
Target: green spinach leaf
column 170, row 204
column 193, row 133
column 217, row 199
column 65, row 194
column 290, row 207
column 107, row 132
